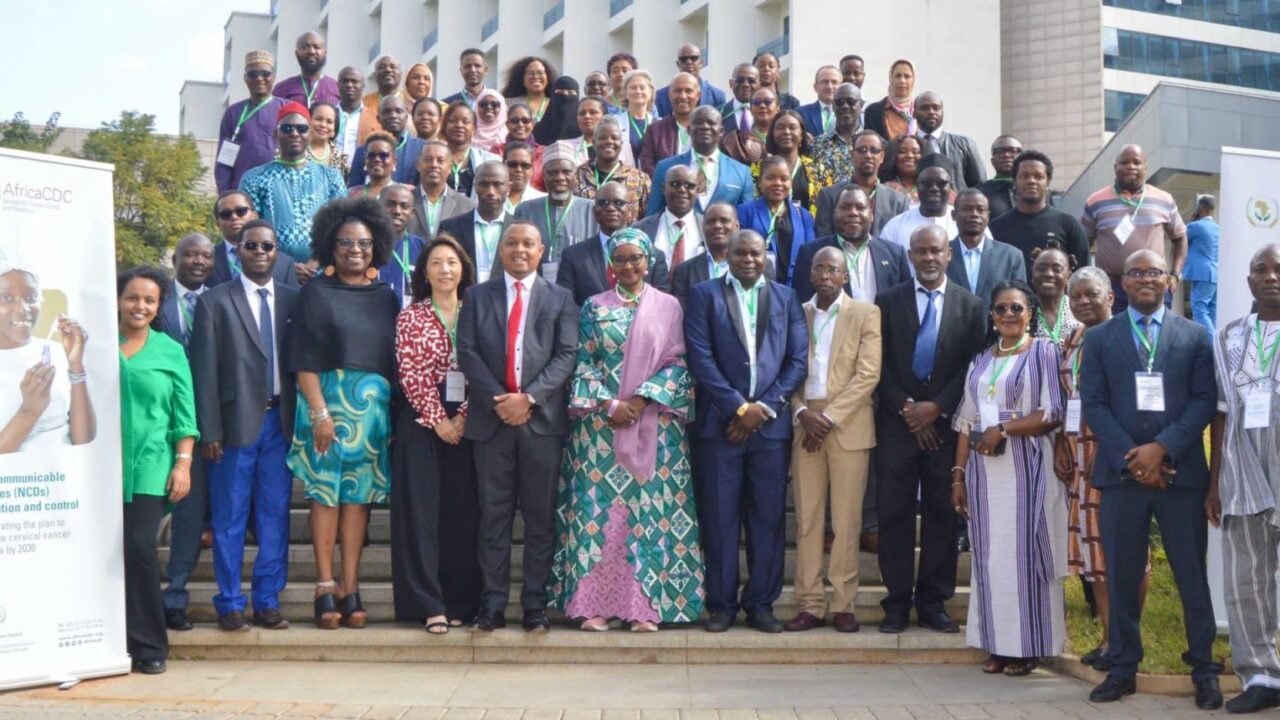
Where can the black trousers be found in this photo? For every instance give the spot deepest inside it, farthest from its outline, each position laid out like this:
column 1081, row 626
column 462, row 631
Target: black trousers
column 143, row 600
column 517, row 466
column 904, row 473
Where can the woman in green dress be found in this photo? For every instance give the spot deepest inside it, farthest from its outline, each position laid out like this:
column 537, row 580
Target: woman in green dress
column 157, row 433
column 628, row 530
column 342, row 347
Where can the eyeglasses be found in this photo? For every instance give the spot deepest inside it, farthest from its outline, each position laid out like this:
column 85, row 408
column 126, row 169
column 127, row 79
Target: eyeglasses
column 520, row 119
column 228, row 213
column 598, row 84
column 867, row 150
column 1006, row 151
column 381, row 155
column 516, row 165
column 761, row 102
column 846, row 102
column 1148, row 274
column 292, row 129
column 610, row 203
column 348, row 243
column 1014, row 309
column 746, row 80
column 681, row 185
column 490, row 105
column 824, row 270
column 689, row 58
column 257, row 74
column 254, row 246
column 632, row 260
column 934, row 184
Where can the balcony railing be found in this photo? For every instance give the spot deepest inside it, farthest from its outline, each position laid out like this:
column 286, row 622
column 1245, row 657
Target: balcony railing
column 778, row 47
column 375, row 49
column 489, row 28
column 430, row 40
column 617, row 6
column 553, row 16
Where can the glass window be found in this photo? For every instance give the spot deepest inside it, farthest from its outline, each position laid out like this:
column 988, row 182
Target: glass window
column 1253, row 14
column 1194, row 60
column 1118, row 106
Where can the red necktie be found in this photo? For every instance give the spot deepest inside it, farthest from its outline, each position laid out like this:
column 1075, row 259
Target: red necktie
column 677, row 254
column 609, row 276
column 513, row 329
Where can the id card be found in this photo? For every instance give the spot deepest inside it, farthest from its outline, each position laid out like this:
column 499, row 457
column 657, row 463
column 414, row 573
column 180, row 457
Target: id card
column 1124, row 229
column 1150, row 391
column 228, row 153
column 1072, row 423
column 549, row 270
column 1257, row 409
column 455, row 387
column 988, row 414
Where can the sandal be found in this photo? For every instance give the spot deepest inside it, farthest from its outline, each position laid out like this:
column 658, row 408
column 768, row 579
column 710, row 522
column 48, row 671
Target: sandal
column 994, row 665
column 644, row 626
column 439, row 627
column 1021, row 667
column 595, row 624
column 327, row 615
column 353, row 613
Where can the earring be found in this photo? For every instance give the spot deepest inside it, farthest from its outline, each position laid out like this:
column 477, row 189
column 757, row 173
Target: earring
column 371, row 272
column 328, row 271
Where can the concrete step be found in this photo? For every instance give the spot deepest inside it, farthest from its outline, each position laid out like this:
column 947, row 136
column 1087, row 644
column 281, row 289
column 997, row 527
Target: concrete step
column 375, row 564
column 565, row 644
column 296, row 602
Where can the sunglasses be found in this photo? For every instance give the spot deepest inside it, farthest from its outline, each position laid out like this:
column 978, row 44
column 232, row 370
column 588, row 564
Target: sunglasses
column 382, row 155
column 762, row 102
column 689, row 58
column 610, row 203
column 935, row 184
column 681, row 185
column 258, row 74
column 228, row 213
column 490, row 106
column 868, row 150
column 292, row 129
column 348, row 243
column 1014, row 309
column 746, row 80
column 516, row 165
column 520, row 119
column 632, row 260
column 254, row 246
column 846, row 102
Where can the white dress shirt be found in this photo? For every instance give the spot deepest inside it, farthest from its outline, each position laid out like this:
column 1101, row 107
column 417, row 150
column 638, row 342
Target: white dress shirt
column 255, row 307
column 750, row 321
column 666, row 240
column 526, row 287
column 822, row 330
column 710, row 167
column 350, row 121
column 484, row 258
column 862, row 274
column 922, row 298
column 899, row 229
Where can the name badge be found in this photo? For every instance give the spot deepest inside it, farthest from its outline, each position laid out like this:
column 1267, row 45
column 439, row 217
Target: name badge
column 988, row 414
column 455, row 387
column 228, row 153
column 1257, row 409
column 1072, row 423
column 1150, row 391
column 549, row 270
column 1124, row 229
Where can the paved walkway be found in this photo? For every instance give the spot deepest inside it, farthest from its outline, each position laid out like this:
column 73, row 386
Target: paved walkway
column 401, row 691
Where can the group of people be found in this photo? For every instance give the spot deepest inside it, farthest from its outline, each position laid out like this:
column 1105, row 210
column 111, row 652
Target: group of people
column 638, row 314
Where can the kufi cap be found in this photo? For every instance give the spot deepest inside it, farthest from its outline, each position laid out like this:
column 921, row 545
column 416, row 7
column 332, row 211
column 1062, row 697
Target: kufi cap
column 259, row 56
column 559, row 150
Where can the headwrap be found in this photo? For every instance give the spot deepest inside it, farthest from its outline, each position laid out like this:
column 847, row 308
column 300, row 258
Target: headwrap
column 908, row 109
column 560, row 121
column 260, row 56
column 490, row 134
column 560, row 150
column 409, row 99
column 292, row 108
column 630, row 236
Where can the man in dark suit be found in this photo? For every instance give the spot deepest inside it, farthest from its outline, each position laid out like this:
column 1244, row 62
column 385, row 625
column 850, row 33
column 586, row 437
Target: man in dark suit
column 718, row 225
column 485, row 224
column 887, row 203
column 517, row 341
column 932, row 328
column 1148, row 391
column 874, row 265
column 192, row 266
column 720, row 177
column 743, row 84
column 689, row 60
column 960, row 149
column 244, row 404
column 979, row 261
column 999, row 189
column 393, row 115
column 748, row 350
column 584, row 267
column 819, row 116
column 433, row 200
column 231, row 211
column 676, row 230
column 670, row 135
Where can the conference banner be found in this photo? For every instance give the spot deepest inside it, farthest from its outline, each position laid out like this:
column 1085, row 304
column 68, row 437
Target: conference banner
column 1249, row 217
column 61, row 546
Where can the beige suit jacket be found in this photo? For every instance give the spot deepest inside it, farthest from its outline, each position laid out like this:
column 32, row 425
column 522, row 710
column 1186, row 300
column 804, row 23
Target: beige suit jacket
column 852, row 373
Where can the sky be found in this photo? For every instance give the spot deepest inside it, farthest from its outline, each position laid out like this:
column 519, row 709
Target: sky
column 92, row 59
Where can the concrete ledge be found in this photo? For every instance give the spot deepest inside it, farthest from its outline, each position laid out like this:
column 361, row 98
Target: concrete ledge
column 1070, row 666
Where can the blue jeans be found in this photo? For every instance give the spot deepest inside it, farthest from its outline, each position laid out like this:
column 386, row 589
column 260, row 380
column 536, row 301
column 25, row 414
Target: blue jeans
column 1204, row 303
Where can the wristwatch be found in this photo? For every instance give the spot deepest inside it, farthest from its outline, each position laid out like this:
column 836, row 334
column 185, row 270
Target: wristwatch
column 1003, row 434
column 742, row 410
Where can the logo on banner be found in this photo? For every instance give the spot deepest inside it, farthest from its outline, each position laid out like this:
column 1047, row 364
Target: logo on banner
column 1262, row 211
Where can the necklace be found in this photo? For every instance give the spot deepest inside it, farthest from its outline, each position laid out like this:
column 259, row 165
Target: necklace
column 1017, row 345
column 626, row 296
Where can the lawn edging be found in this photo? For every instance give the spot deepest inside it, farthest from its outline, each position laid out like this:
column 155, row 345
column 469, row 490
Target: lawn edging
column 1071, row 666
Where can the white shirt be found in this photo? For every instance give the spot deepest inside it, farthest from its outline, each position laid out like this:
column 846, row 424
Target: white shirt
column 181, row 296
column 666, row 241
column 484, row 258
column 526, row 286
column 823, row 328
column 922, row 298
column 255, row 307
column 530, row 193
column 750, row 321
column 710, row 167
column 862, row 276
column 899, row 229
column 350, row 130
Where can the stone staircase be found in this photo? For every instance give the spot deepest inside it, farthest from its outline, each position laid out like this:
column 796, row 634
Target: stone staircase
column 386, row 641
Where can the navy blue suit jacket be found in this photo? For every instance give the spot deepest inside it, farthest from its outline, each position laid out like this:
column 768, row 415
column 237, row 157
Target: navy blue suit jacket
column 755, row 216
column 1184, row 355
column 718, row 359
column 812, row 114
column 733, row 185
column 406, row 163
column 888, row 261
column 711, row 95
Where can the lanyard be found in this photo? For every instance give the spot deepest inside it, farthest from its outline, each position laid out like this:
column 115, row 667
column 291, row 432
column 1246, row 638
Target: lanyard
column 456, row 168
column 432, row 210
column 851, row 260
column 400, row 145
column 1136, row 206
column 245, row 115
column 541, row 109
column 773, row 220
column 1001, row 364
column 682, row 139
column 1075, row 371
column 672, row 236
column 1264, row 357
column 616, row 164
column 452, row 332
column 1056, row 333
column 1146, row 344
column 818, row 331
column 403, row 258
column 639, row 130
column 311, row 92
column 553, row 231
column 750, row 295
column 828, row 117
column 489, row 237
column 509, row 206
column 702, row 167
column 718, row 267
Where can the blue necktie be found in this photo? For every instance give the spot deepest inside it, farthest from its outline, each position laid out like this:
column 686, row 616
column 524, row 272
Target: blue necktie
column 188, row 315
column 926, row 339
column 267, row 333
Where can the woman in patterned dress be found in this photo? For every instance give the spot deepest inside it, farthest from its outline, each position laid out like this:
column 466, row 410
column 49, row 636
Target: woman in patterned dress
column 342, row 347
column 627, row 527
column 323, row 148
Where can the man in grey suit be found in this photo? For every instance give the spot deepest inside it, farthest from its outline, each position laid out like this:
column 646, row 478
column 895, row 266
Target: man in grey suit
column 886, row 203
column 584, row 267
column 517, row 342
column 979, row 261
column 561, row 218
column 244, row 405
column 963, row 152
column 433, row 200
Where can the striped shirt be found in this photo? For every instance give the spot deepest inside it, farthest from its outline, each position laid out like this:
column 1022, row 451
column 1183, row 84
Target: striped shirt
column 1250, row 481
column 1154, row 215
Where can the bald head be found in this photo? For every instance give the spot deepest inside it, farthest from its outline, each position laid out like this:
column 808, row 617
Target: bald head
column 1146, row 258
column 310, row 52
column 1131, row 168
column 831, row 254
column 929, row 111
column 193, row 260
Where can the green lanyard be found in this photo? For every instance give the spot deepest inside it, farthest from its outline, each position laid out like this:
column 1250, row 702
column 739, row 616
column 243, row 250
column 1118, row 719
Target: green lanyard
column 403, row 258
column 456, row 168
column 702, row 167
column 310, row 93
column 1002, row 179
column 750, row 296
column 1146, row 344
column 773, row 220
column 451, row 332
column 818, row 331
column 1136, row 206
column 1001, row 364
column 672, row 236
column 682, row 139
column 541, row 109
column 488, row 233
column 1075, row 371
column 718, row 267
column 640, row 130
column 553, row 231
column 1264, row 357
column 828, row 117
column 794, row 171
column 400, row 145
column 245, row 115
column 851, row 260
column 616, row 164
column 1056, row 333
column 433, row 211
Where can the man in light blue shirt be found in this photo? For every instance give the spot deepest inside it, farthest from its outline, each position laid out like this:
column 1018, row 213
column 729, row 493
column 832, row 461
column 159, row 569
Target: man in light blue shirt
column 1201, row 268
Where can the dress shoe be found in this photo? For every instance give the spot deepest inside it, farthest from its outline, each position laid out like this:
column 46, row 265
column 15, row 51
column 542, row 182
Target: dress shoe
column 1208, row 693
column 719, row 622
column 1258, row 697
column 176, row 619
column 1093, row 656
column 937, row 621
column 536, row 621
column 845, row 623
column 488, row 621
column 765, row 621
column 270, row 618
column 869, row 542
column 149, row 667
column 1112, row 689
column 805, row 621
column 895, row 621
column 232, row 621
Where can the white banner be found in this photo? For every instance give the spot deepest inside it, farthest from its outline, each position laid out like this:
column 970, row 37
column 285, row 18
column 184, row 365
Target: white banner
column 61, row 546
column 1249, row 217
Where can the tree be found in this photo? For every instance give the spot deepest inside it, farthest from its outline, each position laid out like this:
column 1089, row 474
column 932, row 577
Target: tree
column 18, row 134
column 156, row 201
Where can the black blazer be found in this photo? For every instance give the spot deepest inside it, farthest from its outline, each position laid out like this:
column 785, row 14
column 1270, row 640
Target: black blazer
column 888, row 260
column 1000, row 261
column 463, row 229
column 885, row 206
column 550, row 350
column 960, row 337
column 582, row 270
column 873, row 119
column 695, row 270
column 1184, row 355
column 229, row 365
column 282, row 273
column 965, row 157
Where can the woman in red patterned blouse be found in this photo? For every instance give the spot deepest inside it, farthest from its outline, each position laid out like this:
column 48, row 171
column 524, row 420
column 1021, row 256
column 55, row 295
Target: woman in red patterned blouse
column 434, row 506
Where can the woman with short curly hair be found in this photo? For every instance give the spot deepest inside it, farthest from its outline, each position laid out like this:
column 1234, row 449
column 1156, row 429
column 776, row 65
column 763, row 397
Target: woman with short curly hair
column 342, row 348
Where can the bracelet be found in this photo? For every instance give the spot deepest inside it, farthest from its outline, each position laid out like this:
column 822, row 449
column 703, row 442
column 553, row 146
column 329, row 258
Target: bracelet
column 957, row 467
column 182, row 456
column 956, row 482
column 320, row 415
column 77, row 378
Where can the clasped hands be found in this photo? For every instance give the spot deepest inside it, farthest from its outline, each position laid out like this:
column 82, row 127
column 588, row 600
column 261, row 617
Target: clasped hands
column 514, row 409
column 748, row 423
column 920, row 417
column 626, row 412
column 1146, row 462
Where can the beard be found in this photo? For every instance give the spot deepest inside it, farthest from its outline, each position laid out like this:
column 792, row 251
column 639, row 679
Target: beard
column 311, row 67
